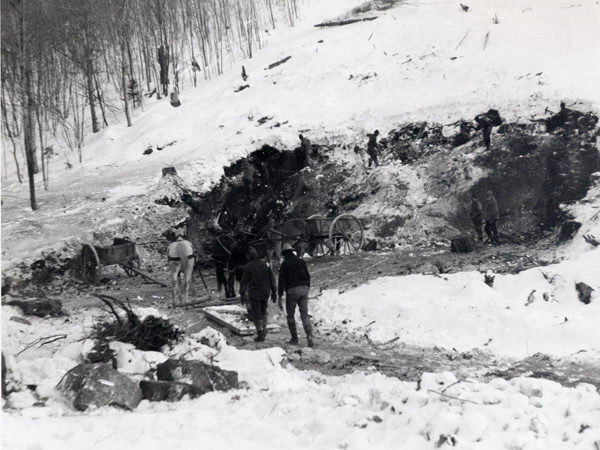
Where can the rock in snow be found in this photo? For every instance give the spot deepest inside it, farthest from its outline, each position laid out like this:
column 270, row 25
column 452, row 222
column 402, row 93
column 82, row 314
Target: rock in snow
column 40, row 307
column 96, row 385
column 584, row 292
column 171, row 391
column 205, row 377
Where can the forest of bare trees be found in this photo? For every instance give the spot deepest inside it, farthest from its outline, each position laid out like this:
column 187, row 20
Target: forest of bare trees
column 71, row 67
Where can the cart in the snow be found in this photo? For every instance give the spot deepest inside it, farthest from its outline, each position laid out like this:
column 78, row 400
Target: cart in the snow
column 123, row 252
column 317, row 235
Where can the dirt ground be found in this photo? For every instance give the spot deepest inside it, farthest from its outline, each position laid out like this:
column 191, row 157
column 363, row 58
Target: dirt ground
column 336, row 354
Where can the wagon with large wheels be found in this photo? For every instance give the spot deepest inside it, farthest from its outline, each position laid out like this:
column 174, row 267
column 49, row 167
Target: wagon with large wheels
column 123, row 252
column 318, row 235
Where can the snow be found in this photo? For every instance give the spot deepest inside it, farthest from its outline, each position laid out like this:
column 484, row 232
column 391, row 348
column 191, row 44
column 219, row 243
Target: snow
column 459, row 311
column 530, row 62
column 303, row 409
column 406, row 66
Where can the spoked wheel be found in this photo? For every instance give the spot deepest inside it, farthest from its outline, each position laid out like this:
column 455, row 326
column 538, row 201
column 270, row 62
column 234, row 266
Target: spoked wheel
column 317, row 229
column 90, row 264
column 346, row 234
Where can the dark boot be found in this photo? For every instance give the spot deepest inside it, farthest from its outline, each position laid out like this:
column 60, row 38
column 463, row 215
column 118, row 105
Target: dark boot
column 264, row 326
column 259, row 332
column 293, row 332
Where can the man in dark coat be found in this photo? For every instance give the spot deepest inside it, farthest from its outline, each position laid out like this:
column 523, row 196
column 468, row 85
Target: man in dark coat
column 257, row 283
column 477, row 216
column 372, row 147
column 294, row 280
column 491, row 218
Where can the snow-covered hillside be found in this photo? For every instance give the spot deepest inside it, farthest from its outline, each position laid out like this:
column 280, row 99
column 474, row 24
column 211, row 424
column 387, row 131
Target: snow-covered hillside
column 419, row 60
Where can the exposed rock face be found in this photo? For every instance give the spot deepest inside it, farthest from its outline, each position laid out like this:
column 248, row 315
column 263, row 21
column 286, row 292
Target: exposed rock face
column 422, row 189
column 584, row 292
column 170, row 391
column 40, row 307
column 96, row 385
column 205, row 378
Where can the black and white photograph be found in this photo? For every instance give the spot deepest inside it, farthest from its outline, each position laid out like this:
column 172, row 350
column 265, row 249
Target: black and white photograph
column 300, row 224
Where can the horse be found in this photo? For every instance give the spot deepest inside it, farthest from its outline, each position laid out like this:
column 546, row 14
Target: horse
column 180, row 256
column 229, row 256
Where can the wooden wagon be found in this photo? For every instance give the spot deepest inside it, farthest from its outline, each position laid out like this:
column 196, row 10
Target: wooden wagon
column 123, row 253
column 316, row 235
column 342, row 235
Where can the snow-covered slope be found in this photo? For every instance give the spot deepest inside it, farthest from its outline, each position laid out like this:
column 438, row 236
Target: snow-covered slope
column 419, row 60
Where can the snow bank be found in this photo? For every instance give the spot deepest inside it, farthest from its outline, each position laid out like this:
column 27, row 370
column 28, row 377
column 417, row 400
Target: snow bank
column 355, row 411
column 534, row 311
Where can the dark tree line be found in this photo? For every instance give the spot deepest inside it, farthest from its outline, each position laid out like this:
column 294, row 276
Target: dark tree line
column 71, row 67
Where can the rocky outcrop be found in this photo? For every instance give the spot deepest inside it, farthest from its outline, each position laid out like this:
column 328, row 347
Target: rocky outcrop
column 204, row 377
column 40, row 307
column 170, row 391
column 96, row 385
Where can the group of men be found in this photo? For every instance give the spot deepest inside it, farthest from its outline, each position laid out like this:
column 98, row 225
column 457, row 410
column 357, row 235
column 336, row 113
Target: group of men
column 258, row 282
column 491, row 217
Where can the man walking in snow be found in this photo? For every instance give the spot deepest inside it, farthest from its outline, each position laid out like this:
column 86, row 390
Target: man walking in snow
column 477, row 216
column 372, row 148
column 294, row 280
column 491, row 218
column 257, row 282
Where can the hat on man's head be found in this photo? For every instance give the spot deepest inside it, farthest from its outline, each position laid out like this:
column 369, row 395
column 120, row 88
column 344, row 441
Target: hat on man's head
column 286, row 247
column 252, row 253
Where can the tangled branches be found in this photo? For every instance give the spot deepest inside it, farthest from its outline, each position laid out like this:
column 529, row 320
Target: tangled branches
column 148, row 334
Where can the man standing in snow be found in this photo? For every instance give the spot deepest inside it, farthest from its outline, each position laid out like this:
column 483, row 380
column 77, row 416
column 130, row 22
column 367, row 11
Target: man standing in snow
column 257, row 282
column 372, row 147
column 491, row 218
column 294, row 280
column 477, row 216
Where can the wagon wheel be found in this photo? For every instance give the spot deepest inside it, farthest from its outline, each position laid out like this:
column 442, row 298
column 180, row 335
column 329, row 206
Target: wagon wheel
column 90, row 264
column 317, row 241
column 346, row 234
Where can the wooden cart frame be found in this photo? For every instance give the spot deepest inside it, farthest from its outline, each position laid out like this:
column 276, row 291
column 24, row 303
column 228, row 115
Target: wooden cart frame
column 93, row 258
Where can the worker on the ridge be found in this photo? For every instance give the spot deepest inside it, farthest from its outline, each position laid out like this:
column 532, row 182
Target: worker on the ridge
column 305, row 151
column 372, row 147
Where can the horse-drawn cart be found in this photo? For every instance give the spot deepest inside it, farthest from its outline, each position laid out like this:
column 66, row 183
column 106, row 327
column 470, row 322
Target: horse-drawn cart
column 123, row 253
column 318, row 235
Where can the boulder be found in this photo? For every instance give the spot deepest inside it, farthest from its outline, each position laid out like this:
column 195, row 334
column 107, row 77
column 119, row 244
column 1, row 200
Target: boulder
column 203, row 376
column 40, row 307
column 96, row 385
column 169, row 171
column 462, row 244
column 170, row 391
column 584, row 292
